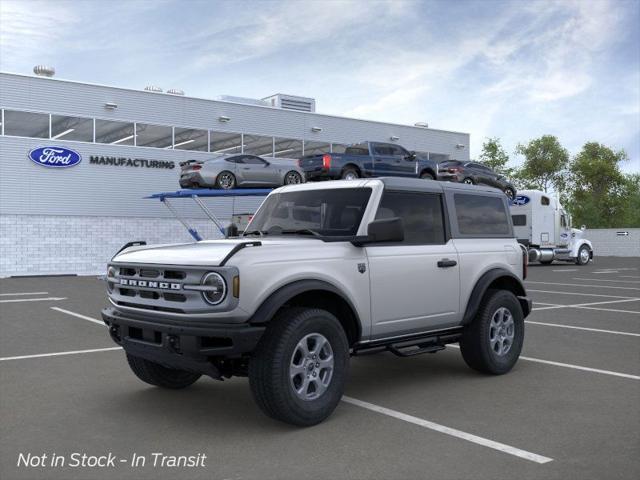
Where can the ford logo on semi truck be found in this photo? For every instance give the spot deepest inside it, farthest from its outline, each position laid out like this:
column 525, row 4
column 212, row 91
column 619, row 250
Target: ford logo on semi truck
column 55, row 157
column 521, row 200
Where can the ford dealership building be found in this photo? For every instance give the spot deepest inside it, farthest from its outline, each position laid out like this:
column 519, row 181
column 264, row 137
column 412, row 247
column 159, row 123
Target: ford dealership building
column 77, row 159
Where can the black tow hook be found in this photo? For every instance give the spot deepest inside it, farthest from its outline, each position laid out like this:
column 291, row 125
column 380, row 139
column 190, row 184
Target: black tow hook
column 114, row 331
column 174, row 343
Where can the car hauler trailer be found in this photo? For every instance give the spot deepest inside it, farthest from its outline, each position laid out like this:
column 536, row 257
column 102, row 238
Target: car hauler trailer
column 544, row 227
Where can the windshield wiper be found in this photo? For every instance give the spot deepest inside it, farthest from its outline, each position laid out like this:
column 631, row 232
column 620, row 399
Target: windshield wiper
column 301, row 231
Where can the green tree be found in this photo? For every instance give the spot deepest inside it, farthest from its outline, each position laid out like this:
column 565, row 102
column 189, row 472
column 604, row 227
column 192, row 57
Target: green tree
column 544, row 165
column 494, row 156
column 600, row 195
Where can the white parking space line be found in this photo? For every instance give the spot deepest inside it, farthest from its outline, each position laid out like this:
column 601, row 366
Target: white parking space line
column 580, row 294
column 22, row 293
column 575, row 367
column 611, row 310
column 605, row 271
column 597, row 330
column 613, row 281
column 582, row 305
column 47, row 299
column 84, row 317
column 57, row 354
column 567, row 270
column 583, row 285
column 532, row 457
column 629, row 276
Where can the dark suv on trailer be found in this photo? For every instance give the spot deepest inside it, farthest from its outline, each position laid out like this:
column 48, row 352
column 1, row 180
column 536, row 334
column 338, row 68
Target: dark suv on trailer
column 474, row 173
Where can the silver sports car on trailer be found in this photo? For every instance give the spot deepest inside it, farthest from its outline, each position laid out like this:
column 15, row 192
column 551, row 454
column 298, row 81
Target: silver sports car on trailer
column 240, row 170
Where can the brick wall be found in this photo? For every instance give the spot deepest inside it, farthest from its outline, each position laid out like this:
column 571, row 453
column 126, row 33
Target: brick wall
column 44, row 244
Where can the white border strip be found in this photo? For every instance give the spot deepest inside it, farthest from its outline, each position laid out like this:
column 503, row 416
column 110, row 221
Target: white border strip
column 22, row 293
column 16, row 300
column 532, row 457
column 582, row 285
column 84, row 317
column 57, row 354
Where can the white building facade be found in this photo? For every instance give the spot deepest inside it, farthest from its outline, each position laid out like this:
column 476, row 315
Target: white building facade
column 129, row 143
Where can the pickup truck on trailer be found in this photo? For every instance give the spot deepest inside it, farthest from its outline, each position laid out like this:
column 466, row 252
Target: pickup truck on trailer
column 369, row 159
column 325, row 271
column 543, row 226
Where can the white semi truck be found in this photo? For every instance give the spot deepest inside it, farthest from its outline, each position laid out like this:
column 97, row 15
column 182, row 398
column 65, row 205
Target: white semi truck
column 544, row 227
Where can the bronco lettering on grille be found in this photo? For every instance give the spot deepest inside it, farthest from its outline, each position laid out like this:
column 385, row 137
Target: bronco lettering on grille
column 148, row 284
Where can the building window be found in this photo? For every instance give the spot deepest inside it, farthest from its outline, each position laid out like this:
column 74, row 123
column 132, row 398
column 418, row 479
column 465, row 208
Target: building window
column 156, row 136
column 316, row 148
column 114, row 133
column 191, row 139
column 26, row 124
column 258, row 145
column 226, row 143
column 287, row 148
column 71, row 128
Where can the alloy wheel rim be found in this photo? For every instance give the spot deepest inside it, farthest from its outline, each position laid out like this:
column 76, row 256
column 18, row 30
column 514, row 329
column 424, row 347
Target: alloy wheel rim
column 311, row 367
column 226, row 181
column 468, row 181
column 501, row 331
column 293, row 177
column 350, row 176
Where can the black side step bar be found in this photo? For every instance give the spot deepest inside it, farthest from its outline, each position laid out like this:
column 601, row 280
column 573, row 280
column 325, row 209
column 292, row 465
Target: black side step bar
column 430, row 343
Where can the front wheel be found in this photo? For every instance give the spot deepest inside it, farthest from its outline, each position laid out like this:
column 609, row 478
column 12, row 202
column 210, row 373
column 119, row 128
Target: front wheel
column 584, row 255
column 225, row 180
column 492, row 342
column 159, row 375
column 298, row 371
column 468, row 181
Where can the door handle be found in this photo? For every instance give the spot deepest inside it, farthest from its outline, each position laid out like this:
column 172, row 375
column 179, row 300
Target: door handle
column 446, row 263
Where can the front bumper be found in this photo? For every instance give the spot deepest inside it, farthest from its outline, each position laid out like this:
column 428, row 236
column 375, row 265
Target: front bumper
column 181, row 347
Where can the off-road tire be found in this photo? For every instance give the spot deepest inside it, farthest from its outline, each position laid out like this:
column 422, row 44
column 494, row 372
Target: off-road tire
column 269, row 374
column 475, row 343
column 427, row 176
column 160, row 376
column 350, row 173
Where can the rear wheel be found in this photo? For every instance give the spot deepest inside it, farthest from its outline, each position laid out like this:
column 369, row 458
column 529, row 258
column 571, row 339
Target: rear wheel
column 427, row 176
column 350, row 173
column 292, row 178
column 159, row 375
column 492, row 342
column 468, row 181
column 584, row 255
column 225, row 180
column 298, row 371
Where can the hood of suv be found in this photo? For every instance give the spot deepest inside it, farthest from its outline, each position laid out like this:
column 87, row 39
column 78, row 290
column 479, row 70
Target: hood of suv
column 206, row 253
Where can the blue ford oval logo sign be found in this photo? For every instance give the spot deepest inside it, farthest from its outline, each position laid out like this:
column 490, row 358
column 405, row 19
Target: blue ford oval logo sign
column 521, row 200
column 55, row 157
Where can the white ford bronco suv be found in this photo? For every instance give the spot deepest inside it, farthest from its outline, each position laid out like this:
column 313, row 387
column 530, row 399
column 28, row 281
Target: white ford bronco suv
column 326, row 271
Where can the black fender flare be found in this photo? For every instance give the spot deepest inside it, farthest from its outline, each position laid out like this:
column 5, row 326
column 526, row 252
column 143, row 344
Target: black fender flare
column 482, row 285
column 282, row 295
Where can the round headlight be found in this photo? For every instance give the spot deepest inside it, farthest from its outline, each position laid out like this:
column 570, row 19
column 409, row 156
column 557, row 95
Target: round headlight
column 217, row 288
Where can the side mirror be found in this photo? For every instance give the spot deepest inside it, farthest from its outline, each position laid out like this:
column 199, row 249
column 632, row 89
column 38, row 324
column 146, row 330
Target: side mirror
column 383, row 230
column 411, row 156
column 231, row 231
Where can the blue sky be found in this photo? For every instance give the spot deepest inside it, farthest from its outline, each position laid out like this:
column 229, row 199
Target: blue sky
column 511, row 69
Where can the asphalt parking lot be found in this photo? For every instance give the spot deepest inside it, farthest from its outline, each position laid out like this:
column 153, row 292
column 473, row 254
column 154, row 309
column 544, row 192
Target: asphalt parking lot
column 569, row 409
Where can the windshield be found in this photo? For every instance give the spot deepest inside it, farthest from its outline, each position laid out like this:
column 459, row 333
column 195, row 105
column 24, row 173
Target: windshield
column 326, row 212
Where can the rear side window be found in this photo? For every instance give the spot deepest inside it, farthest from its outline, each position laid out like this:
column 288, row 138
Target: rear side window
column 480, row 215
column 519, row 220
column 421, row 214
